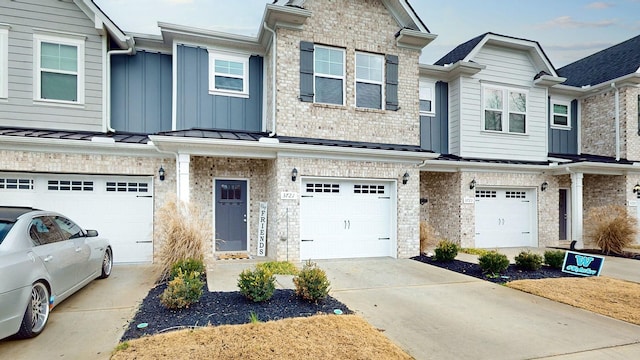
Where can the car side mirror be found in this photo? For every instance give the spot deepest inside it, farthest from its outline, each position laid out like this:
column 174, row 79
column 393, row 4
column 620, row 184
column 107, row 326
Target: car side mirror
column 92, row 233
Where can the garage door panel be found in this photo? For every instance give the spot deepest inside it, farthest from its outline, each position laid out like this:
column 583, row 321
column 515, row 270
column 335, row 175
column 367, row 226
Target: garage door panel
column 120, row 208
column 504, row 218
column 343, row 219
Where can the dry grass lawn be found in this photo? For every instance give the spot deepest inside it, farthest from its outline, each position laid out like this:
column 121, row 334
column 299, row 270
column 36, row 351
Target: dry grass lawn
column 350, row 337
column 316, row 337
column 610, row 297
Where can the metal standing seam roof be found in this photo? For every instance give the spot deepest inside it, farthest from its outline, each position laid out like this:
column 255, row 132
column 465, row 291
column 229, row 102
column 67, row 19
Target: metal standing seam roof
column 591, row 159
column 611, row 63
column 255, row 136
column 128, row 138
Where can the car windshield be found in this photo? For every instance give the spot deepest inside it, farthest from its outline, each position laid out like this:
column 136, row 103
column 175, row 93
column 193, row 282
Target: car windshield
column 4, row 229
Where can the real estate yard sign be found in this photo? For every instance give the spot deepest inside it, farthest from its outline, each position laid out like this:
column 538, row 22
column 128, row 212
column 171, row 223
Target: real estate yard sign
column 582, row 264
column 262, row 230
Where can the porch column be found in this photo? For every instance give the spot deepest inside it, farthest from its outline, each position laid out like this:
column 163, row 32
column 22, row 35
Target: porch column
column 576, row 209
column 183, row 177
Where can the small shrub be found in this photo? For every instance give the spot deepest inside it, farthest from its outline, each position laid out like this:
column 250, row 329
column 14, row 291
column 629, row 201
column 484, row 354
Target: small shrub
column 184, row 290
column 311, row 283
column 257, row 285
column 611, row 228
column 279, row 267
column 187, row 266
column 446, row 251
column 527, row 260
column 554, row 258
column 493, row 263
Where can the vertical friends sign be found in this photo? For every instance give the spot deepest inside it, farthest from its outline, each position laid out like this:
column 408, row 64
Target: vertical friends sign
column 262, row 230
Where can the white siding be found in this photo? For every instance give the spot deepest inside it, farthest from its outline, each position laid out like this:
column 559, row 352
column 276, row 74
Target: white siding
column 511, row 69
column 60, row 16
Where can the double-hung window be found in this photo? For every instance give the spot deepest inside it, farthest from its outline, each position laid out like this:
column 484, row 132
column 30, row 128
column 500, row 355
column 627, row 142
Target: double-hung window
column 59, row 68
column 560, row 114
column 427, row 98
column 505, row 110
column 369, row 80
column 229, row 74
column 328, row 75
column 4, row 62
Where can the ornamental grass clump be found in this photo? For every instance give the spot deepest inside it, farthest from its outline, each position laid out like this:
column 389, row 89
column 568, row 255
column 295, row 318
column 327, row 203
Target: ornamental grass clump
column 529, row 261
column 446, row 251
column 493, row 263
column 182, row 231
column 554, row 258
column 184, row 290
column 257, row 285
column 311, row 283
column 611, row 228
column 427, row 237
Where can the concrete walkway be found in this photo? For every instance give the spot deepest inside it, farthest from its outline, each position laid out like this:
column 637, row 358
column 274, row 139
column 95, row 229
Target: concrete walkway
column 89, row 324
column 437, row 314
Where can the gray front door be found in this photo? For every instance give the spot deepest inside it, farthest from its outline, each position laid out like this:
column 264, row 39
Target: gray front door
column 562, row 214
column 231, row 215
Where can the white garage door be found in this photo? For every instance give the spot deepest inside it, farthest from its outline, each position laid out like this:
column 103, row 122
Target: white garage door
column 120, row 208
column 505, row 218
column 346, row 219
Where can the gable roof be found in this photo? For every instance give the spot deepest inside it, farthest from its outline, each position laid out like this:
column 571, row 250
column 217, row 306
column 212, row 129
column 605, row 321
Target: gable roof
column 404, row 13
column 467, row 50
column 611, row 63
column 102, row 22
column 460, row 52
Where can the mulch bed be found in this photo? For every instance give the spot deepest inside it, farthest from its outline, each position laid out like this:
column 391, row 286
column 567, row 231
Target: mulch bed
column 221, row 308
column 512, row 273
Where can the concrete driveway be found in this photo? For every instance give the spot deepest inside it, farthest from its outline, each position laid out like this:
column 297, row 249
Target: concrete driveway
column 436, row 314
column 89, row 324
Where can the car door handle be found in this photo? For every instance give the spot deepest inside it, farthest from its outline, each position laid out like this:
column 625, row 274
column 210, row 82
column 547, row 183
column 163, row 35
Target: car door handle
column 48, row 258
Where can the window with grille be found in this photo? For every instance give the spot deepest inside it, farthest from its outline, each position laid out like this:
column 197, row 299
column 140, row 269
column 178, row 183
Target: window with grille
column 516, row 195
column 69, row 185
column 323, row 188
column 368, row 189
column 16, row 184
column 486, row 194
column 123, row 186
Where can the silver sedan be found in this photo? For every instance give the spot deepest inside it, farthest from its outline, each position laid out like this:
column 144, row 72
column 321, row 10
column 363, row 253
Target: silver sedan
column 44, row 258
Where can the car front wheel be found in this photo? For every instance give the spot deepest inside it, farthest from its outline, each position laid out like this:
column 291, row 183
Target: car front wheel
column 37, row 312
column 107, row 264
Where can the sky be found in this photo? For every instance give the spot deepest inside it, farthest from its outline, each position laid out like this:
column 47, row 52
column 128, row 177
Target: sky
column 567, row 30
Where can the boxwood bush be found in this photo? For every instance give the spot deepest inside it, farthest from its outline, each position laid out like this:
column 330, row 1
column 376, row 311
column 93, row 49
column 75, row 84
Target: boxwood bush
column 554, row 258
column 446, row 250
column 493, row 263
column 527, row 260
column 257, row 285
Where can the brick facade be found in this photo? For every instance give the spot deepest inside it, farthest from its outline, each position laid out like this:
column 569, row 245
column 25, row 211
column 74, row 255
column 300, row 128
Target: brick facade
column 355, row 26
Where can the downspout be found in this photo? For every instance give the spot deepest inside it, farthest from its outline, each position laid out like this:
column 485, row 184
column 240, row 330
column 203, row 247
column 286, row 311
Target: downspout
column 128, row 51
column 617, row 100
column 274, row 53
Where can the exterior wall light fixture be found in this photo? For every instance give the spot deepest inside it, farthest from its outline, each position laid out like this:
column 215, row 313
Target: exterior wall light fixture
column 472, row 184
column 161, row 173
column 405, row 178
column 636, row 188
column 294, row 174
column 544, row 186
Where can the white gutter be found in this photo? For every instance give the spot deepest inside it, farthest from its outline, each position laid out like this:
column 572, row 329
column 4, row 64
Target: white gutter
column 129, row 51
column 617, row 100
column 274, row 52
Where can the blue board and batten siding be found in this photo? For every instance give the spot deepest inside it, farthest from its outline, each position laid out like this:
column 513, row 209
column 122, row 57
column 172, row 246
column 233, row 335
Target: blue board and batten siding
column 196, row 108
column 434, row 130
column 141, row 92
column 565, row 141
